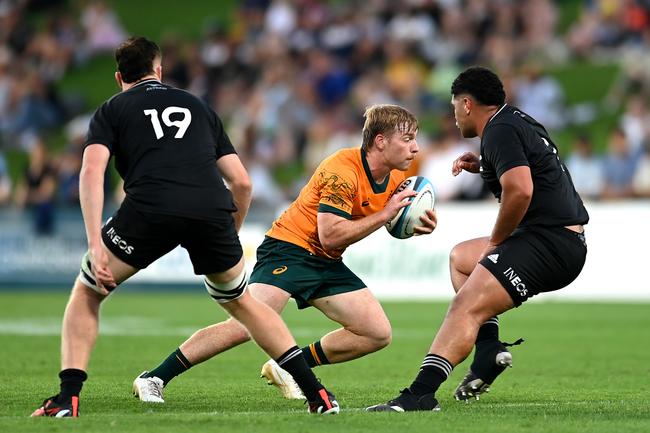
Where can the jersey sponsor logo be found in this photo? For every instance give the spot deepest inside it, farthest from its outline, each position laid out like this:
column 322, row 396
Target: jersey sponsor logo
column 280, row 270
column 493, row 258
column 117, row 240
column 516, row 282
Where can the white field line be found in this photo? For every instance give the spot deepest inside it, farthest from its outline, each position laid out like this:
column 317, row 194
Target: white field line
column 136, row 326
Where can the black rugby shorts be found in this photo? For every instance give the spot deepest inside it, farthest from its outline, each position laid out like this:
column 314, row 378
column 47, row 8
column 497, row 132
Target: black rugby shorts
column 537, row 259
column 139, row 238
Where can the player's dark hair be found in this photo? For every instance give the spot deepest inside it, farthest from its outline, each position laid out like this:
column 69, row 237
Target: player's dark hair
column 480, row 83
column 386, row 119
column 135, row 58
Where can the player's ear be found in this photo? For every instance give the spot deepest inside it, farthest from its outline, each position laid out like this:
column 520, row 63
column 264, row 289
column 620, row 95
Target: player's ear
column 468, row 104
column 157, row 70
column 380, row 141
column 118, row 79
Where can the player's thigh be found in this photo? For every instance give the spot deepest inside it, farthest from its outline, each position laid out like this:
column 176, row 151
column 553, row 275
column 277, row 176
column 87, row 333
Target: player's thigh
column 482, row 296
column 537, row 259
column 229, row 274
column 290, row 268
column 138, row 238
column 214, row 248
column 358, row 311
column 270, row 295
column 465, row 255
column 121, row 271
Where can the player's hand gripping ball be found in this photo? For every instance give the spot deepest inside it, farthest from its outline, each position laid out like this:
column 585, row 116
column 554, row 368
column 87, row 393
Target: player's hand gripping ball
column 401, row 227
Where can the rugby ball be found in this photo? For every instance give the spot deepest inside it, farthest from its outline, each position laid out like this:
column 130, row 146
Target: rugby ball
column 401, row 227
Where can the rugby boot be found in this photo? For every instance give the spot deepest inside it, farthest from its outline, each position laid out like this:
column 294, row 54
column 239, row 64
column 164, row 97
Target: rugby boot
column 490, row 360
column 148, row 389
column 57, row 409
column 280, row 378
column 326, row 404
column 406, row 401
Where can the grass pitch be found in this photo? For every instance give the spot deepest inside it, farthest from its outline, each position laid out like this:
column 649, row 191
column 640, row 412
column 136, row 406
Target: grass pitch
column 583, row 368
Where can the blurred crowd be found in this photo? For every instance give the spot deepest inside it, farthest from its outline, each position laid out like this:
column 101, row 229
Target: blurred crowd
column 291, row 79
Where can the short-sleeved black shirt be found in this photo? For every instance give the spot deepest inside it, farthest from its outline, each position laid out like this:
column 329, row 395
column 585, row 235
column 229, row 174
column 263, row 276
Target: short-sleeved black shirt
column 166, row 143
column 512, row 138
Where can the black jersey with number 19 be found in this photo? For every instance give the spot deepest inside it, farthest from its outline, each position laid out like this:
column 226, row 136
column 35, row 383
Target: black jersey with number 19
column 512, row 138
column 166, row 143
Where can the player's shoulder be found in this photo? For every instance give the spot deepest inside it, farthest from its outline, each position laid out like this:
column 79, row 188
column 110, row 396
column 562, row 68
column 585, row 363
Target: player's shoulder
column 507, row 121
column 347, row 160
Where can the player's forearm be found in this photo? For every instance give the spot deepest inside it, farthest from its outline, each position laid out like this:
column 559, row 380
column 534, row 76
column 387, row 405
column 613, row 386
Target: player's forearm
column 241, row 195
column 91, row 198
column 514, row 204
column 346, row 232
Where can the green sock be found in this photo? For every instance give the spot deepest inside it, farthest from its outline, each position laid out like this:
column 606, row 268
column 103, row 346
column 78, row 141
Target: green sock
column 314, row 354
column 175, row 364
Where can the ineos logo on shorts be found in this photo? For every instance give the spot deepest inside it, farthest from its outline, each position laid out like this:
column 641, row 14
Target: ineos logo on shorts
column 280, row 270
column 515, row 280
column 117, row 240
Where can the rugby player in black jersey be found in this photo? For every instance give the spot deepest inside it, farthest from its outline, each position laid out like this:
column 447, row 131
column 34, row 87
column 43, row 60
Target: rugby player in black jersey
column 537, row 243
column 173, row 154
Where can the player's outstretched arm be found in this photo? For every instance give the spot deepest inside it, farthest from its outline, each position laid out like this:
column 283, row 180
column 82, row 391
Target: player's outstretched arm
column 235, row 174
column 336, row 232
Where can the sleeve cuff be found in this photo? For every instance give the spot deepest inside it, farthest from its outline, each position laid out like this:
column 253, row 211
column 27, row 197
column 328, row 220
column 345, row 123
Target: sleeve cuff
column 324, row 208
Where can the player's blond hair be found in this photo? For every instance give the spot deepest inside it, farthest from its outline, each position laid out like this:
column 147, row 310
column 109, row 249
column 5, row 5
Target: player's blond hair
column 386, row 119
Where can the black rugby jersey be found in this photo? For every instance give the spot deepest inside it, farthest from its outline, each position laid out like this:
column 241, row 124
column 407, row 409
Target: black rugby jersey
column 510, row 139
column 166, row 143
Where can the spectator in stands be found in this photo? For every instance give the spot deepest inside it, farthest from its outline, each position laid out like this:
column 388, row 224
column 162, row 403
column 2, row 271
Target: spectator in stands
column 435, row 165
column 37, row 188
column 5, row 180
column 586, row 168
column 635, row 123
column 33, row 106
column 540, row 95
column 619, row 167
column 103, row 29
column 641, row 180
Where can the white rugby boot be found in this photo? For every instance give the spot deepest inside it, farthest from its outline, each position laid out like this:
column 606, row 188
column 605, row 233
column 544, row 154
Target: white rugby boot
column 148, row 389
column 277, row 376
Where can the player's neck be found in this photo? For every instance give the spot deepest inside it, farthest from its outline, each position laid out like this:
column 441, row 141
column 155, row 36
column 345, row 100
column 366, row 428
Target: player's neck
column 484, row 118
column 127, row 86
column 378, row 168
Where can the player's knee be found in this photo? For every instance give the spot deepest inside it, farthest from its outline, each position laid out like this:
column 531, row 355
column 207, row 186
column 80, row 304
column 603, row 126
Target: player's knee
column 380, row 335
column 228, row 291
column 456, row 257
column 86, row 278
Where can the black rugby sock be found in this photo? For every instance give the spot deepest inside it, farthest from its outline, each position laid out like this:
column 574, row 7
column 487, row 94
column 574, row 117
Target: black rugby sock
column 434, row 370
column 489, row 330
column 294, row 363
column 175, row 364
column 314, row 354
column 72, row 381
